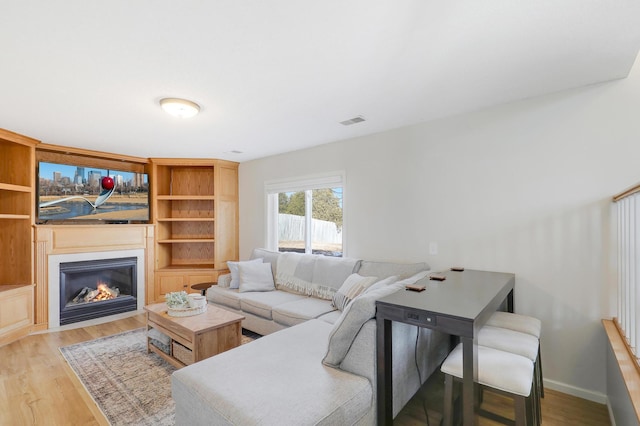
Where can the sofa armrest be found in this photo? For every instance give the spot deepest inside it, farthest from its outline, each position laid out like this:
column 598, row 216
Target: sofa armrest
column 224, row 280
column 432, row 348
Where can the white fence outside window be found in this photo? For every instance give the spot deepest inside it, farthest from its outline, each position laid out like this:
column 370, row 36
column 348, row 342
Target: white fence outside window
column 291, row 228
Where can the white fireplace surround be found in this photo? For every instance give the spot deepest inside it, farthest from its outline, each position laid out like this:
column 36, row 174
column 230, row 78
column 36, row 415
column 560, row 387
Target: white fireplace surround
column 54, row 276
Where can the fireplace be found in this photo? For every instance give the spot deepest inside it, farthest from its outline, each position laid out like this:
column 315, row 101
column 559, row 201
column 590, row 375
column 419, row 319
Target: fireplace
column 96, row 288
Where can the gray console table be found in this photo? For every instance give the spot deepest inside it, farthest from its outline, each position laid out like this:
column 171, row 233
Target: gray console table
column 459, row 306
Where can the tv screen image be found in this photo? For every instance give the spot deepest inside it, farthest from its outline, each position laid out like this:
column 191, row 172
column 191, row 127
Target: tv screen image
column 68, row 191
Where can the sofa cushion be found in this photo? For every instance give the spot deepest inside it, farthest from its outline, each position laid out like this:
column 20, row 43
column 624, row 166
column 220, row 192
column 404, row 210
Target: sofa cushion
column 386, row 269
column 255, row 277
column 345, row 330
column 235, row 274
column 267, row 256
column 331, row 317
column 352, row 286
column 313, row 275
column 262, row 303
column 331, row 272
column 224, row 296
column 293, row 313
column 294, row 272
column 260, row 383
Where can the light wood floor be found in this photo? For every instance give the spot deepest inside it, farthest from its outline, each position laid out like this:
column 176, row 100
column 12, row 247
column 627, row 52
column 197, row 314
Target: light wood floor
column 38, row 388
column 558, row 409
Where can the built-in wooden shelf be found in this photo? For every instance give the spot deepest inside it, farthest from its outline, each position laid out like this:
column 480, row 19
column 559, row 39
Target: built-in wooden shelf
column 14, row 216
column 17, row 209
column 195, row 209
column 187, row 240
column 182, row 268
column 186, row 197
column 185, row 219
column 16, row 188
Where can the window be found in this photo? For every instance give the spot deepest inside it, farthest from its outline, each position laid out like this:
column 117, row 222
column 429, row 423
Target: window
column 306, row 215
column 628, row 319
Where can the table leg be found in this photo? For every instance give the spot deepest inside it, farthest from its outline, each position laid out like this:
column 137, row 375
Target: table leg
column 510, row 303
column 384, row 370
column 469, row 377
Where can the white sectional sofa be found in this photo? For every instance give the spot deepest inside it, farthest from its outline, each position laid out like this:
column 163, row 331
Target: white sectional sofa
column 315, row 365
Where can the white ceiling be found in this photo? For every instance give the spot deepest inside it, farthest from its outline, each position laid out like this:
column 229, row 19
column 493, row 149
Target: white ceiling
column 279, row 75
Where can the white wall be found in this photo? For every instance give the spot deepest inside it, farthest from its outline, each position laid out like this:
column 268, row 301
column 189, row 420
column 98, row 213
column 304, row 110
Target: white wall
column 522, row 188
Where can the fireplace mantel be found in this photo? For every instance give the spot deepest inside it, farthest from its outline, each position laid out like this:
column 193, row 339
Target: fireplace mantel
column 75, row 239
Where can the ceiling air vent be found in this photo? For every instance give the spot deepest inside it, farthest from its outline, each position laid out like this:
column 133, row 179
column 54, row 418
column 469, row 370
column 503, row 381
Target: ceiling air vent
column 354, row 120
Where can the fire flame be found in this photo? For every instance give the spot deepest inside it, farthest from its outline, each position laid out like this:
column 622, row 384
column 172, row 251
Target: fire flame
column 104, row 292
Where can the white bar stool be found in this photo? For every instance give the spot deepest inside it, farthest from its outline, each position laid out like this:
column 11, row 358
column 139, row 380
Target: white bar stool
column 516, row 322
column 523, row 324
column 518, row 343
column 503, row 372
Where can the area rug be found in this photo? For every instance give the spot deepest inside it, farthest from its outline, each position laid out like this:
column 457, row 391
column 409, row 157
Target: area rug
column 130, row 386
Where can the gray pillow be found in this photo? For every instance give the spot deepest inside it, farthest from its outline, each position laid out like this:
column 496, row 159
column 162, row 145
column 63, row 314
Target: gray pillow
column 345, row 330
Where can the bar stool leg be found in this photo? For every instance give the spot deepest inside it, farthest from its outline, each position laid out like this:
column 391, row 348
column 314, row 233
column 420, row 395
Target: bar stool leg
column 539, row 364
column 522, row 411
column 533, row 407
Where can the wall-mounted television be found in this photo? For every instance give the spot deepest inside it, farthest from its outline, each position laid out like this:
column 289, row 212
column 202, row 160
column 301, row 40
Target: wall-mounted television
column 71, row 192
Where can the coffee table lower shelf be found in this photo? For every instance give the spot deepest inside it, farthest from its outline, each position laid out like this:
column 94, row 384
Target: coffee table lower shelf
column 167, row 357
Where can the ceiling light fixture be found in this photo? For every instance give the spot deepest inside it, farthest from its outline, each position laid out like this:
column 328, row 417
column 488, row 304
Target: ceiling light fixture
column 179, row 107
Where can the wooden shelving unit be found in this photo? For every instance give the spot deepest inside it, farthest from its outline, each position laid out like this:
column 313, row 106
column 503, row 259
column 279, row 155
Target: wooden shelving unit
column 17, row 209
column 195, row 210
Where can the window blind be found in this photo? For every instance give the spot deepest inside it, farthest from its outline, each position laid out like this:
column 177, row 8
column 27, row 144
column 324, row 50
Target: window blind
column 628, row 211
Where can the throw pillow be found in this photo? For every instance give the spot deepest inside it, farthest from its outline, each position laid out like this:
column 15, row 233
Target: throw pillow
column 352, row 286
column 233, row 268
column 345, row 330
column 255, row 276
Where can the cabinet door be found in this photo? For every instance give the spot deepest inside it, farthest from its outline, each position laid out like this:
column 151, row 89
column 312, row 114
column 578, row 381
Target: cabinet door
column 170, row 282
column 16, row 313
column 201, row 277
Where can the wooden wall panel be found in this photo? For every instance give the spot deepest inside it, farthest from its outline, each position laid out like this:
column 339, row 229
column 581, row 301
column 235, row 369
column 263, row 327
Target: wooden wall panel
column 87, row 238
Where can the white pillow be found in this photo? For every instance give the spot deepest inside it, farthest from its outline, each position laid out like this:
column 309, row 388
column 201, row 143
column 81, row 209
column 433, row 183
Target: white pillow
column 233, row 268
column 255, row 276
column 352, row 286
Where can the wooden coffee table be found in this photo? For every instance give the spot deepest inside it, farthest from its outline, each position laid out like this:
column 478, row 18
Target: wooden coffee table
column 196, row 337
